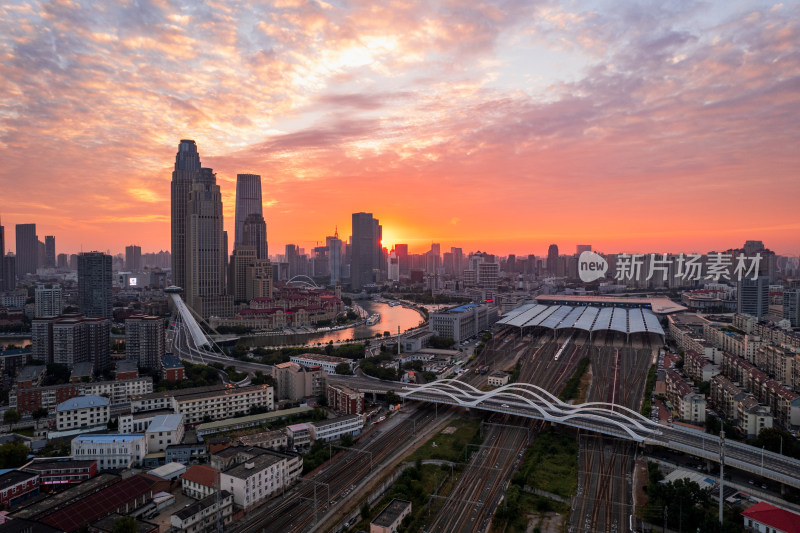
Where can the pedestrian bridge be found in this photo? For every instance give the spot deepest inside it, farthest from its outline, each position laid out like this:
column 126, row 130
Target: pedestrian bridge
column 531, row 401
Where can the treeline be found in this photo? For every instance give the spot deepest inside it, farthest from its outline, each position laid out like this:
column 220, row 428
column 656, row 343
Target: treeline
column 571, row 388
column 194, row 376
column 274, row 356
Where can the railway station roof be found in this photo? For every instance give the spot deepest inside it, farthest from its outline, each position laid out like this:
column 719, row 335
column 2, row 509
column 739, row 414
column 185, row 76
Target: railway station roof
column 586, row 318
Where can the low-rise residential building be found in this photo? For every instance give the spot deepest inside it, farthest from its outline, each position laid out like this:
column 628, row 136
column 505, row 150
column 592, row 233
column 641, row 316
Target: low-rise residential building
column 17, row 487
column 299, row 435
column 327, row 363
column 391, row 517
column 61, row 472
column 336, row 428
column 345, row 400
column 294, row 381
column 689, row 404
column 752, row 417
column 82, row 412
column 119, row 390
column 255, row 474
column 31, row 376
column 163, row 431
column 172, row 368
column 27, row 400
column 199, row 481
column 126, row 369
column 139, row 422
column 726, row 396
column 766, row 518
column 201, row 403
column 110, row 451
column 206, row 515
column 498, row 379
column 698, row 367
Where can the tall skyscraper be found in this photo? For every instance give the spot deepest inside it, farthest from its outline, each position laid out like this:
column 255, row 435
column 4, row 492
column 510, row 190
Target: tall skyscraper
column 394, row 266
column 753, row 297
column 27, row 249
column 94, row 284
column 334, row 245
column 49, row 251
column 2, row 257
column 552, row 259
column 254, row 234
column 199, row 250
column 187, row 171
column 205, row 286
column 144, row 340
column 366, row 251
column 133, row 258
column 579, row 249
column 248, row 202
column 402, row 256
column 62, row 261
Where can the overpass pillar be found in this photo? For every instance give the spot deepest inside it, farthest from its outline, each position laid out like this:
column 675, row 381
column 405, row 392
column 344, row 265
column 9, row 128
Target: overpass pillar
column 374, row 397
column 783, row 489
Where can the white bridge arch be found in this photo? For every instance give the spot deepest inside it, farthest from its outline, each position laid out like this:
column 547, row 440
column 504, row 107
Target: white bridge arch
column 548, row 407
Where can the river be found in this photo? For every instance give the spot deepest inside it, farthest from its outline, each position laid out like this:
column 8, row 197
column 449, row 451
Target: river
column 391, row 319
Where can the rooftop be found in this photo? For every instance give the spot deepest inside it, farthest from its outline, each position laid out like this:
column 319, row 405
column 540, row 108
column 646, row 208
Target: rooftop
column 337, row 420
column 210, row 426
column 169, row 360
column 104, row 437
column 85, row 369
column 658, row 304
column 107, row 524
column 30, row 372
column 200, row 392
column 202, row 475
column 167, row 470
column 205, row 503
column 87, row 510
column 391, row 513
column 321, row 358
column 82, row 402
column 165, row 423
column 50, row 503
column 252, row 466
column 127, row 365
column 461, row 309
column 775, row 517
column 42, row 465
column 9, row 479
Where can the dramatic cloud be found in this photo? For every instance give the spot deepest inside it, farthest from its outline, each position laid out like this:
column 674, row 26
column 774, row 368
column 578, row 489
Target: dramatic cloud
column 504, row 125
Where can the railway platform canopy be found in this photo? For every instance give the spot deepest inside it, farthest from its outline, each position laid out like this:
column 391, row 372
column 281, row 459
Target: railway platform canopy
column 586, row 318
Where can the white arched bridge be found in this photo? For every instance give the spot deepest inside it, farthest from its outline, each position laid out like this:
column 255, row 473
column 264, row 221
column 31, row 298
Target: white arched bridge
column 524, row 399
column 532, row 401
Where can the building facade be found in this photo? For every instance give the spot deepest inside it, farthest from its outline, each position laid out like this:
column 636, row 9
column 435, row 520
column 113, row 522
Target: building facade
column 95, row 284
column 110, row 451
column 144, row 340
column 82, row 412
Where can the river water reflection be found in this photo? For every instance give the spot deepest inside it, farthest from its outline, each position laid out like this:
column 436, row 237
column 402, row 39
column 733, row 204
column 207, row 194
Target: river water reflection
column 391, row 318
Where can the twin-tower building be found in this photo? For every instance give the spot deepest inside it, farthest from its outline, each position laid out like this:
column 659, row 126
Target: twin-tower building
column 199, row 242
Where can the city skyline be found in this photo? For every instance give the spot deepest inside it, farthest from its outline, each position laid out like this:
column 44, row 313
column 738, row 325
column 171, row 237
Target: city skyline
column 501, row 127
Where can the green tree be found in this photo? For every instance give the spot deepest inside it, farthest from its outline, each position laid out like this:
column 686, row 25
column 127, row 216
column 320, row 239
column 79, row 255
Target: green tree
column 11, row 416
column 124, row 524
column 365, row 510
column 392, row 397
column 39, row 412
column 13, row 454
column 343, row 369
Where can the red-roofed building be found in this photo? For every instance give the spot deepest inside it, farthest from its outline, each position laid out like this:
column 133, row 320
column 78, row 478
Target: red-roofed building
column 199, row 481
column 766, row 518
column 123, row 497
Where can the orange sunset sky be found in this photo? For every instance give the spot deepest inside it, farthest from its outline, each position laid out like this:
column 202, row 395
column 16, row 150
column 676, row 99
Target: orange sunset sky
column 503, row 126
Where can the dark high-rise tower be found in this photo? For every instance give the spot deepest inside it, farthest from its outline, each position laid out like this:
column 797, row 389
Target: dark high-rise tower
column 552, row 259
column 254, row 234
column 753, row 297
column 366, row 249
column 248, row 202
column 133, row 258
column 49, row 251
column 27, row 249
column 94, row 284
column 2, row 256
column 187, row 171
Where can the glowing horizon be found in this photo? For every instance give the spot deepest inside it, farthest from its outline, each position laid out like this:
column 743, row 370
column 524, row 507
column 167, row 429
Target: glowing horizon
column 639, row 127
